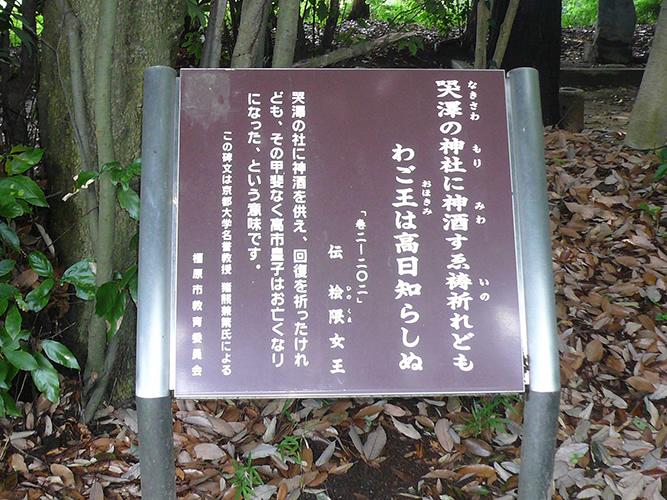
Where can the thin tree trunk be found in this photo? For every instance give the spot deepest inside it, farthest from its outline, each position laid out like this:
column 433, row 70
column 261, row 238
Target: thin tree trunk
column 96, row 374
column 288, row 21
column 250, row 31
column 264, row 45
column 331, row 25
column 213, row 43
column 534, row 42
column 648, row 123
column 483, row 16
column 78, row 114
column 504, row 35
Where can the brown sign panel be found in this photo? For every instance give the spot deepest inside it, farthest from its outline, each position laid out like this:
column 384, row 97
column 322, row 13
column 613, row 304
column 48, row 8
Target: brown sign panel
column 345, row 232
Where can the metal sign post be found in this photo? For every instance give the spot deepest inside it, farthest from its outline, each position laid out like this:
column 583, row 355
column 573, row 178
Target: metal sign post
column 156, row 446
column 325, row 214
column 541, row 409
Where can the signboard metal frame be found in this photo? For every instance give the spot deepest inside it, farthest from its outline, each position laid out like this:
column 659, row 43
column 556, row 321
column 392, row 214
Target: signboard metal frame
column 155, row 314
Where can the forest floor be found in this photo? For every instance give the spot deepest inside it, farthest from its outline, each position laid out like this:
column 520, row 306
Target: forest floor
column 610, row 268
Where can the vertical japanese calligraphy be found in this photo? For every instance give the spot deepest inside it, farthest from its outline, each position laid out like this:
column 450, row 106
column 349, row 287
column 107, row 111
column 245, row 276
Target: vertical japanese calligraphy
column 364, row 237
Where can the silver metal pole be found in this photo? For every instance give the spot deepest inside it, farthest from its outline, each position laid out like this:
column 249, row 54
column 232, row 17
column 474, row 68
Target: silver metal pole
column 156, row 449
column 530, row 184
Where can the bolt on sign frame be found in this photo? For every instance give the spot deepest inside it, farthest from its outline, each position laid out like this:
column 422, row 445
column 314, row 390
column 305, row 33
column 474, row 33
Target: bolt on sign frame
column 335, row 233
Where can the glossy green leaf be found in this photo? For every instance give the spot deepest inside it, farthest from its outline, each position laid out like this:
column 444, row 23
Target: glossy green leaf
column 38, row 298
column 82, row 180
column 81, row 275
column 110, row 305
column 24, row 188
column 6, row 266
column 23, row 159
column 10, row 237
column 46, row 378
column 10, row 208
column 13, row 322
column 129, row 200
column 7, row 291
column 661, row 172
column 60, row 354
column 3, row 372
column 111, row 166
column 134, row 168
column 30, row 155
column 7, row 405
column 21, row 360
column 40, row 264
column 129, row 274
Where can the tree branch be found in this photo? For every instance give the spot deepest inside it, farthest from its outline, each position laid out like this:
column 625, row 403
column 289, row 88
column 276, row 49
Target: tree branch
column 504, row 35
column 353, row 51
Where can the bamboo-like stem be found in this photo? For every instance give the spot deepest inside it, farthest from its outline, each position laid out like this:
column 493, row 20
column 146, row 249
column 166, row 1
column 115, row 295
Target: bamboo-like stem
column 78, row 115
column 98, row 354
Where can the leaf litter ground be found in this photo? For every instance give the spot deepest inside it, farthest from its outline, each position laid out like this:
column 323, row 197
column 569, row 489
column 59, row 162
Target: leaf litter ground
column 610, row 266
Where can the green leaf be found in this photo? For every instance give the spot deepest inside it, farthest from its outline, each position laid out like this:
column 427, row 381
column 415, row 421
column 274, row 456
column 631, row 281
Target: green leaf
column 129, row 274
column 40, row 264
column 38, row 298
column 82, row 180
column 110, row 305
column 10, row 236
column 22, row 159
column 6, row 266
column 60, row 354
column 7, row 291
column 24, row 188
column 106, row 297
column 46, row 378
column 661, row 172
column 134, row 168
column 9, row 405
column 82, row 277
column 112, row 165
column 13, row 322
column 134, row 242
column 3, row 306
column 129, row 200
column 21, row 360
column 10, row 208
column 3, row 371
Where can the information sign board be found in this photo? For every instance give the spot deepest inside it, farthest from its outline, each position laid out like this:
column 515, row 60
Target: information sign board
column 345, row 233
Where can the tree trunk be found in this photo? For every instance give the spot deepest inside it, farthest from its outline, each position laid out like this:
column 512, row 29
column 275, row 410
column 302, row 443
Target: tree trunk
column 250, row 33
column 359, row 10
column 534, row 42
column 134, row 49
column 288, row 21
column 212, row 49
column 648, row 123
column 331, row 25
